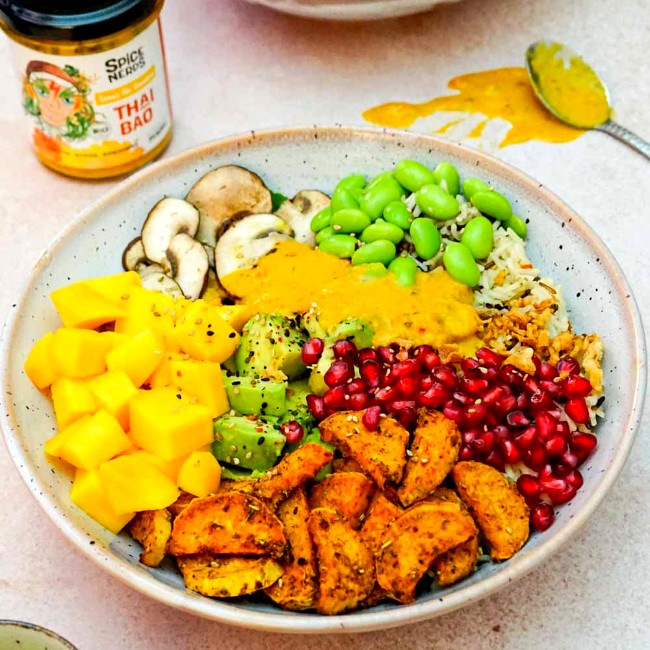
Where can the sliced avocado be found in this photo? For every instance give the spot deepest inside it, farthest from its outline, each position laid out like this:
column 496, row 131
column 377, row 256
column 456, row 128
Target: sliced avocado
column 270, row 348
column 296, row 404
column 234, row 473
column 314, row 436
column 230, row 365
column 317, row 383
column 246, row 442
column 352, row 329
column 314, row 328
column 253, row 396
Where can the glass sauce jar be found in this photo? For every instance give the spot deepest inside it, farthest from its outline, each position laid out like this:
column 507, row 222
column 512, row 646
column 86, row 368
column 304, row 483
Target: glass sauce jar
column 94, row 82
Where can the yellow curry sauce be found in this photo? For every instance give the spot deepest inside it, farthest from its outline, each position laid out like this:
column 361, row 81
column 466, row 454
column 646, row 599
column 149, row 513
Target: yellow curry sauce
column 294, row 278
column 503, row 93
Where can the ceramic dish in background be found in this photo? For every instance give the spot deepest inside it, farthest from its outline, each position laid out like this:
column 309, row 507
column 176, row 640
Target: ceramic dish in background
column 560, row 243
column 27, row 636
column 351, row 9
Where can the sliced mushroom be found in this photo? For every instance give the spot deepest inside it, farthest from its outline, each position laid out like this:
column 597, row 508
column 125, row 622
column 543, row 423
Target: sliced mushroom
column 159, row 281
column 133, row 255
column 169, row 217
column 225, row 195
column 247, row 240
column 189, row 264
column 299, row 212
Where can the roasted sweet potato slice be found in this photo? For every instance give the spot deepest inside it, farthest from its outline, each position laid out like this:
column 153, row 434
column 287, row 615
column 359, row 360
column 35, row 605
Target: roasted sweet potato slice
column 347, row 465
column 296, row 589
column 434, row 450
column 184, row 500
column 227, row 576
column 500, row 511
column 152, row 528
column 347, row 492
column 381, row 515
column 414, row 540
column 381, row 454
column 459, row 562
column 229, row 523
column 345, row 566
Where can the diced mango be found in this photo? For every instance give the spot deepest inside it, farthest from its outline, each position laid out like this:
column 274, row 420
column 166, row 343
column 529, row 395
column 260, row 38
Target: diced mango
column 166, row 423
column 169, row 468
column 200, row 474
column 71, row 399
column 115, row 288
column 79, row 353
column 236, row 315
column 113, row 391
column 99, row 439
column 138, row 356
column 132, row 484
column 162, row 376
column 54, row 446
column 113, row 339
column 88, row 493
column 80, row 306
column 38, row 365
column 200, row 379
column 204, row 334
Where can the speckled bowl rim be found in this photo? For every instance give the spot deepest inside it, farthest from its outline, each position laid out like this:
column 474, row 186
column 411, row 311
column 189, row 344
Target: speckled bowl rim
column 46, row 634
column 366, row 620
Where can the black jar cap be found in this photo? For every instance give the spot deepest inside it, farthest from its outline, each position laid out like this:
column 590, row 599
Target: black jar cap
column 72, row 20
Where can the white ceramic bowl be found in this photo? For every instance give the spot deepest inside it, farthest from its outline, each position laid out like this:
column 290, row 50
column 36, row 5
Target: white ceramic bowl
column 27, row 636
column 560, row 243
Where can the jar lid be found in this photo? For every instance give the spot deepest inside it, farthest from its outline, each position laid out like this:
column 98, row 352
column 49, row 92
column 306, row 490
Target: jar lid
column 72, row 20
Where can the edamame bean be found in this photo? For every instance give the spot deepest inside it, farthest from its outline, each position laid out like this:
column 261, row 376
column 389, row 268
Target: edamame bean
column 343, row 198
column 339, row 245
column 437, row 203
column 478, row 236
column 460, row 264
column 413, row 175
column 351, row 182
column 518, row 225
column 321, row 219
column 447, row 173
column 382, row 251
column 324, row 234
column 398, row 214
column 404, row 269
column 374, row 271
column 382, row 230
column 376, row 198
column 380, row 178
column 426, row 237
column 493, row 204
column 473, row 185
column 350, row 220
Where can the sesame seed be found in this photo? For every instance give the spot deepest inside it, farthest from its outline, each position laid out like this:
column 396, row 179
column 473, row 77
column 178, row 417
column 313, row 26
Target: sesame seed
column 235, row 461
column 249, row 455
column 409, row 453
column 280, row 582
column 124, row 296
column 424, row 461
column 361, row 571
column 233, row 447
column 235, row 391
column 198, row 321
column 387, row 544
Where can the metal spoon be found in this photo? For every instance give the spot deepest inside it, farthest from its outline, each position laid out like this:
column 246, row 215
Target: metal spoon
column 570, row 59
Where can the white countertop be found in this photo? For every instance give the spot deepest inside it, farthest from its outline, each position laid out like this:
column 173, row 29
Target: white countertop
column 234, row 67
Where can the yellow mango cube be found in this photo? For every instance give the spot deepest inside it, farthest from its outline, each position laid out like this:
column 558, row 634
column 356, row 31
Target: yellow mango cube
column 99, row 439
column 169, row 468
column 88, row 493
column 138, row 356
column 162, row 375
column 38, row 365
column 79, row 353
column 236, row 315
column 132, row 484
column 200, row 379
column 115, row 288
column 54, row 446
column 80, row 306
column 204, row 334
column 113, row 339
column 168, row 424
column 71, row 399
column 113, row 391
column 200, row 474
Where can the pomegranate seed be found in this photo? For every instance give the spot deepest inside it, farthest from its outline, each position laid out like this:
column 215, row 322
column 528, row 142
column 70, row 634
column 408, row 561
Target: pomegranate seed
column 371, row 372
column 576, row 386
column 495, row 459
column 426, row 381
column 490, row 374
column 385, row 394
column 474, row 386
column 550, row 387
column 316, row 406
column 339, row 373
column 335, row 398
column 474, row 415
column 312, row 350
column 552, row 484
column 506, row 404
column 400, row 405
column 501, row 432
column 434, row 397
column 386, row 354
column 536, row 457
column 344, row 349
column 576, row 408
column 407, row 417
column 531, row 385
column 454, row 411
column 406, row 368
column 529, row 487
column 555, row 446
column 537, row 362
column 492, row 419
column 541, row 401
column 547, row 371
column 511, row 375
column 574, row 478
column 430, row 360
column 489, row 358
column 421, row 350
column 563, row 429
column 545, row 425
column 542, row 516
column 569, row 459
column 292, row 431
column 583, row 443
column 407, row 387
column 526, row 439
column 562, row 496
column 470, row 367
column 510, row 452
column 523, row 402
column 367, row 353
column 488, row 439
column 492, row 395
column 517, row 420
column 568, row 366
column 356, row 386
column 469, row 435
column 371, row 417
column 446, row 375
column 359, row 401
column 466, row 453
column 463, row 399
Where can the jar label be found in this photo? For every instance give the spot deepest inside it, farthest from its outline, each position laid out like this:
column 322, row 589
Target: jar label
column 97, row 111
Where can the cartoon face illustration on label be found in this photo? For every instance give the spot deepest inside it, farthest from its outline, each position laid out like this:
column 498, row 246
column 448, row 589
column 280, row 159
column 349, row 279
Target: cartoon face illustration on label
column 58, row 98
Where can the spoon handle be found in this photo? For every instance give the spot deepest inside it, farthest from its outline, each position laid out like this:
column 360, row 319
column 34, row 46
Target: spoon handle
column 625, row 135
